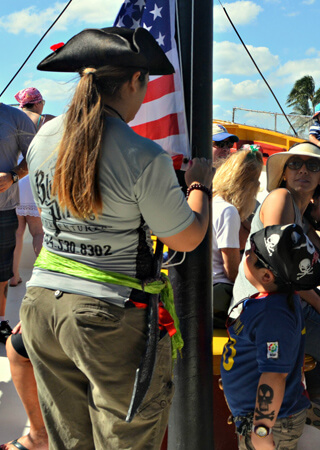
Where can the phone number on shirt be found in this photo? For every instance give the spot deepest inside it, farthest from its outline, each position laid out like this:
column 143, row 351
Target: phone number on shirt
column 80, row 249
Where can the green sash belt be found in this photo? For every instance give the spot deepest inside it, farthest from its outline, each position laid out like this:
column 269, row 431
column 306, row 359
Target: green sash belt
column 56, row 263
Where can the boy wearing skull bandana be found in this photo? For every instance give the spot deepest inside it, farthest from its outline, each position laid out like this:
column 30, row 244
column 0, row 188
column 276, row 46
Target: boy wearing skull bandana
column 262, row 362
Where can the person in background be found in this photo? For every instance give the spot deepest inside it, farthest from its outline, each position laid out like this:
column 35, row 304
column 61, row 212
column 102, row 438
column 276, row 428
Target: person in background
column 222, row 141
column 314, row 131
column 30, row 102
column 16, row 133
column 23, row 379
column 100, row 189
column 234, row 188
column 262, row 362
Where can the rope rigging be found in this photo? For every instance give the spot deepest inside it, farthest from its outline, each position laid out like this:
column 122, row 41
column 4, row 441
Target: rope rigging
column 28, row 57
column 256, row 66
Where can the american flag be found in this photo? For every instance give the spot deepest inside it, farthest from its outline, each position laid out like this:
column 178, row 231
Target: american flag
column 162, row 114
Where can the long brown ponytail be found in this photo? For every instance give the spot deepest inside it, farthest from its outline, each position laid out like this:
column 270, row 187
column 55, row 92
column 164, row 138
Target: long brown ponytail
column 76, row 177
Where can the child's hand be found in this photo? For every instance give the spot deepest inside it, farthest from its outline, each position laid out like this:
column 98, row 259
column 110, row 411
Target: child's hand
column 265, row 443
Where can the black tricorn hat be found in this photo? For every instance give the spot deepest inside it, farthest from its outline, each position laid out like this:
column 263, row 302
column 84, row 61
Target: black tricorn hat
column 97, row 47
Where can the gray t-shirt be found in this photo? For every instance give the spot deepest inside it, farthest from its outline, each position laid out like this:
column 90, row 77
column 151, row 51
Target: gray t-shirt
column 16, row 133
column 139, row 190
column 242, row 287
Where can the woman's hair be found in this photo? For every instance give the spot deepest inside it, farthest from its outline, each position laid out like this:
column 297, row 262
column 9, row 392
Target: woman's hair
column 237, row 180
column 76, row 177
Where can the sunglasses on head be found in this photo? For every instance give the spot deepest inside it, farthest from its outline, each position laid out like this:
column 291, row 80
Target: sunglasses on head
column 221, row 144
column 312, row 164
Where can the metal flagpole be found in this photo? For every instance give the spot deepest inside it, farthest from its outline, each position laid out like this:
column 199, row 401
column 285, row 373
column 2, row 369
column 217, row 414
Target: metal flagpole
column 191, row 417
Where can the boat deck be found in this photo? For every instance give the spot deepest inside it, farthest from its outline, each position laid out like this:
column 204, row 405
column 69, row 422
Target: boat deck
column 13, row 419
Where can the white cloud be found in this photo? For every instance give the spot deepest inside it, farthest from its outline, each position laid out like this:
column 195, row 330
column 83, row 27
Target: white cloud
column 219, row 113
column 293, row 14
column 93, row 12
column 291, row 71
column 312, row 51
column 21, row 20
column 230, row 58
column 240, row 12
column 80, row 11
column 309, row 2
column 51, row 90
column 225, row 90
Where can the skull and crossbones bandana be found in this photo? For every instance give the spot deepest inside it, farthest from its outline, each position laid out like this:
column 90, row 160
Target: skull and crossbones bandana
column 289, row 253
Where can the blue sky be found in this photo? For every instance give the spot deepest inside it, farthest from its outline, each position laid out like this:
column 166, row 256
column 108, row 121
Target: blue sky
column 282, row 36
column 22, row 24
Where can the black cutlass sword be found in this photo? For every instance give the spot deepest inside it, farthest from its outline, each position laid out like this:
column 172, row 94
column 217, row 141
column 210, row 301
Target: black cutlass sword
column 145, row 371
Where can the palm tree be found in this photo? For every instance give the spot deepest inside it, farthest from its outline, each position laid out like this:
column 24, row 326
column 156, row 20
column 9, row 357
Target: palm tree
column 303, row 98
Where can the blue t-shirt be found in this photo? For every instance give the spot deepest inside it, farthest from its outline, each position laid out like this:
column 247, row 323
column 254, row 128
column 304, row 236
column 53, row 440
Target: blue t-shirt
column 266, row 337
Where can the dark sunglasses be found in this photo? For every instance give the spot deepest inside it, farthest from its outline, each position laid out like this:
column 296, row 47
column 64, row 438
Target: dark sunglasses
column 312, row 164
column 222, row 144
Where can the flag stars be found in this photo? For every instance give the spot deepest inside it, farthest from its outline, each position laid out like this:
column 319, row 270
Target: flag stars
column 120, row 22
column 147, row 28
column 141, row 4
column 160, row 39
column 135, row 23
column 130, row 10
column 156, row 12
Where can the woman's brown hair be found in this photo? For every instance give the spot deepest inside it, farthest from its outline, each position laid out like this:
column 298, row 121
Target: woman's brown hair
column 76, row 177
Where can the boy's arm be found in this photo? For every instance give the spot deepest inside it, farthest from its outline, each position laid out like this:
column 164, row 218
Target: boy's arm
column 269, row 399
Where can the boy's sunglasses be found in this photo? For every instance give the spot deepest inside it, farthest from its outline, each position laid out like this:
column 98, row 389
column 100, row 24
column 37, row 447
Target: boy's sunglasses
column 221, row 144
column 312, row 164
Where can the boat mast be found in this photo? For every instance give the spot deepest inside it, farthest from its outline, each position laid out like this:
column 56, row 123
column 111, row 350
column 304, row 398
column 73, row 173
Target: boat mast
column 191, row 417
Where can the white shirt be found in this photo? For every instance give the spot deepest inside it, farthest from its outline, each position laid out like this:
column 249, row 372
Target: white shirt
column 225, row 234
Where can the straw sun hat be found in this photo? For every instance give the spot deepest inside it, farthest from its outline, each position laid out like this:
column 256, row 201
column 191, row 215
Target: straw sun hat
column 277, row 161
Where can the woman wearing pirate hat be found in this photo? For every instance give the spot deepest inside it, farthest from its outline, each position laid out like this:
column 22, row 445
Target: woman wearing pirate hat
column 100, row 190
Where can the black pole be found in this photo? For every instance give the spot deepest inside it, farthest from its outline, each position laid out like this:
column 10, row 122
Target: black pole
column 191, row 418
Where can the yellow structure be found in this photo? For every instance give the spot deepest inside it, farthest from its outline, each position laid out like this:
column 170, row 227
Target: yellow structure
column 261, row 135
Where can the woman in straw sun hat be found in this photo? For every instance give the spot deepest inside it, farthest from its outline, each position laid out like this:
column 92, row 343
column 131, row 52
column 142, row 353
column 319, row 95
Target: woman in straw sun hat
column 292, row 180
column 100, row 190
